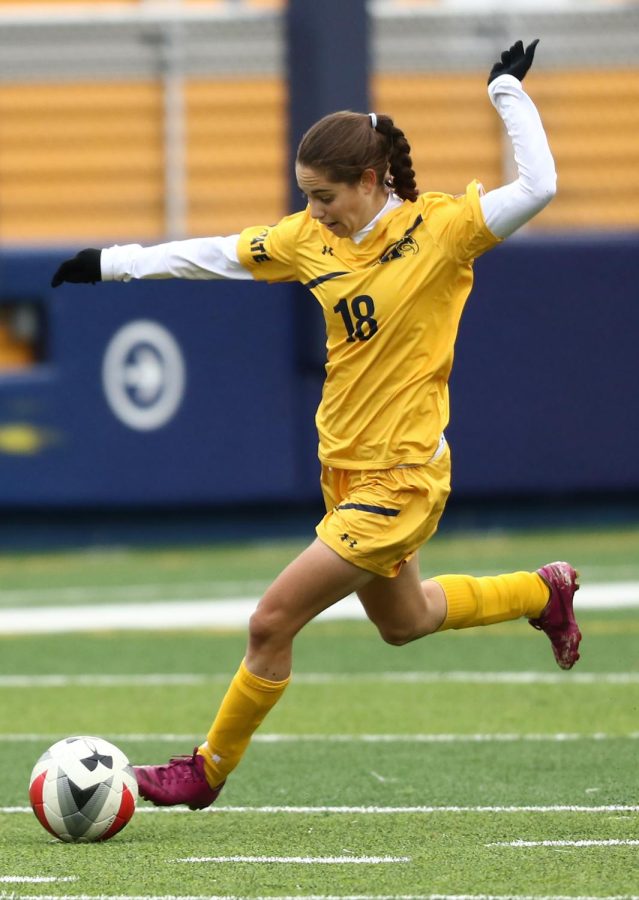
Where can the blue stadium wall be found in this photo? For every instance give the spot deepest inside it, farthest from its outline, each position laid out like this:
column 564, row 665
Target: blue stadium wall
column 170, row 392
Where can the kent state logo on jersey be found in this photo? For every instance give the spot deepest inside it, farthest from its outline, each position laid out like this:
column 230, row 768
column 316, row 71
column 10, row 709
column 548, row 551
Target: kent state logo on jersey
column 258, row 250
column 400, row 248
column 404, row 246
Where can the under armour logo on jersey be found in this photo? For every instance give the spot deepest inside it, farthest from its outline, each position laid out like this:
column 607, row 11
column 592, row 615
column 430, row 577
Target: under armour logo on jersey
column 347, row 539
column 327, row 250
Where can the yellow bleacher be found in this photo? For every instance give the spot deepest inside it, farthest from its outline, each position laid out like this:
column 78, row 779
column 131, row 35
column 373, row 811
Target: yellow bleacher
column 85, row 161
column 592, row 120
column 60, row 4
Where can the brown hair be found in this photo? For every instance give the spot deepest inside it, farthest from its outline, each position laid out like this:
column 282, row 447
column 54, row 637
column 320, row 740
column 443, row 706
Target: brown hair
column 344, row 144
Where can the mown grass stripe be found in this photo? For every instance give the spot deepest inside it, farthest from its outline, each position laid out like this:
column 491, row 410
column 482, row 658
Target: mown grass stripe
column 125, row 593
column 157, row 679
column 482, row 738
column 597, row 587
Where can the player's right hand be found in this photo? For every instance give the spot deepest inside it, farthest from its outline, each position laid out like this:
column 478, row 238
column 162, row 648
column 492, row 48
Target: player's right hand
column 84, row 268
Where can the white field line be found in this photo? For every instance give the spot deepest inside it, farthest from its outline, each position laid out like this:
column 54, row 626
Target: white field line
column 35, row 879
column 172, row 615
column 484, row 738
column 302, row 860
column 370, row 810
column 206, row 613
column 611, row 842
column 4, row 896
column 438, row 738
column 322, row 678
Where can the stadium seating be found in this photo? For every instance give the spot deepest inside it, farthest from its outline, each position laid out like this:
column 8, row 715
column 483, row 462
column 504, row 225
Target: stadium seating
column 84, row 157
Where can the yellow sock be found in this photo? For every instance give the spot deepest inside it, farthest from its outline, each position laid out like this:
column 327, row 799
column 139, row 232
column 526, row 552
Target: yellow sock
column 484, row 601
column 245, row 705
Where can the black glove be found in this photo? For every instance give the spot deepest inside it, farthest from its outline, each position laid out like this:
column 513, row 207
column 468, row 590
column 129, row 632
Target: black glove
column 515, row 61
column 82, row 269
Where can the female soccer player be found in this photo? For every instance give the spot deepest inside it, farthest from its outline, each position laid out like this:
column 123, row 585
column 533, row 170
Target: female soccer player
column 392, row 269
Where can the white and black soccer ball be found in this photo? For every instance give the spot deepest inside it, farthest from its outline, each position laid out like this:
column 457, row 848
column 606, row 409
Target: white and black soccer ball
column 83, row 789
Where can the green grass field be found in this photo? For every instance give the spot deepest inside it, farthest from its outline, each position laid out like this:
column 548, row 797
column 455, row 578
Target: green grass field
column 465, row 765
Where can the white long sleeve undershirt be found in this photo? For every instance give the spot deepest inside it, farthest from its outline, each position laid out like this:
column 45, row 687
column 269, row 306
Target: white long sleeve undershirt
column 505, row 209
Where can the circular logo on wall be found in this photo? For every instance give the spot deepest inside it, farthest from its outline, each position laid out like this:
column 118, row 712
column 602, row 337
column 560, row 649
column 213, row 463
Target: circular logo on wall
column 143, row 375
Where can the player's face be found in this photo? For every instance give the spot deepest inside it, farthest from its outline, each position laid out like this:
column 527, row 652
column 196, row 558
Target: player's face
column 342, row 208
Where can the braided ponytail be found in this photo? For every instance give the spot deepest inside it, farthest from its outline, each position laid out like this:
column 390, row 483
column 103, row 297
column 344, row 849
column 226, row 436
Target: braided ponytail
column 400, row 164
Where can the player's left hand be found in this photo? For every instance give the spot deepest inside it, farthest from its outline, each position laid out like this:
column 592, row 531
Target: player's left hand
column 515, row 61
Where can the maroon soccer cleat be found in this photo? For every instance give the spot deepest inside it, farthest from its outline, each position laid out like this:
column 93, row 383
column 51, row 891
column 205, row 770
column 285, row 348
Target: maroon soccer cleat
column 557, row 618
column 180, row 781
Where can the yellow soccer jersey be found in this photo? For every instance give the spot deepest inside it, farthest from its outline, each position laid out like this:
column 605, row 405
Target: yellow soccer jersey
column 392, row 306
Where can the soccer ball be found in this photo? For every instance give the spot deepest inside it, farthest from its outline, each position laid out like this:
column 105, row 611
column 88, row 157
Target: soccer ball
column 83, row 789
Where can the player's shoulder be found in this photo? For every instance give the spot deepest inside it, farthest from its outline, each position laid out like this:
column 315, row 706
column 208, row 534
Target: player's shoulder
column 439, row 199
column 283, row 234
column 430, row 198
column 412, row 216
column 296, row 228
column 436, row 203
column 293, row 223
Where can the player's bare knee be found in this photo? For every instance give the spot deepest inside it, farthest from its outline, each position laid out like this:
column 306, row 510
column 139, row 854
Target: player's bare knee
column 397, row 635
column 403, row 633
column 267, row 626
column 260, row 628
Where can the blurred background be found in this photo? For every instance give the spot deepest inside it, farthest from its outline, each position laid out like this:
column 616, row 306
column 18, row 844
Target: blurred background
column 192, row 404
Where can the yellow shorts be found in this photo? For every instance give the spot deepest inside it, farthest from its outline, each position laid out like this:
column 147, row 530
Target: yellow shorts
column 377, row 519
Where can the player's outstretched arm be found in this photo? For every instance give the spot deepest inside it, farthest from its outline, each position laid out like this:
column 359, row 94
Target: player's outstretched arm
column 508, row 208
column 194, row 259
